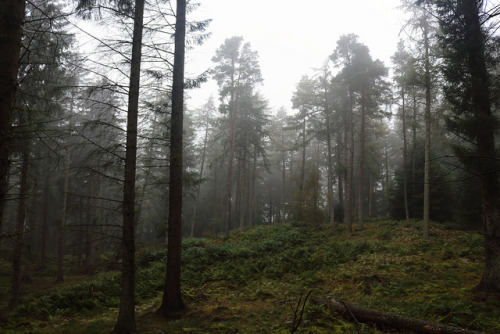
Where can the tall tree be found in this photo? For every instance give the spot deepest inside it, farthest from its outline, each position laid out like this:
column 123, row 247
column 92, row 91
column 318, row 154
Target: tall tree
column 328, row 119
column 422, row 21
column 228, row 55
column 249, row 147
column 126, row 316
column 207, row 112
column 280, row 142
column 468, row 91
column 237, row 71
column 367, row 82
column 43, row 74
column 427, row 154
column 362, row 77
column 304, row 99
column 63, row 220
column 11, row 22
column 343, row 57
column 172, row 296
column 401, row 60
column 20, row 223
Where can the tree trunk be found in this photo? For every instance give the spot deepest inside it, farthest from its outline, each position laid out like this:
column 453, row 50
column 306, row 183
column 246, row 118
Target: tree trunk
column 229, row 182
column 350, row 170
column 361, row 160
column 413, row 152
column 340, row 167
column 253, row 202
column 427, row 153
column 251, row 189
column 284, row 197
column 18, row 242
column 302, row 174
column 405, row 154
column 45, row 220
column 126, row 316
column 329, row 151
column 11, row 20
column 89, row 232
column 172, row 296
column 370, row 196
column 387, row 178
column 62, row 224
column 217, row 213
column 241, row 189
column 203, row 155
column 386, row 321
column 485, row 129
column 233, row 103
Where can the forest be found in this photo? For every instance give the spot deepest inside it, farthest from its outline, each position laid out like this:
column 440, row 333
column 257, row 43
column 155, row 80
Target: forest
column 372, row 206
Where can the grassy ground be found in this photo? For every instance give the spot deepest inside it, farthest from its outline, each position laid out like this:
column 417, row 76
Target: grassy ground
column 253, row 283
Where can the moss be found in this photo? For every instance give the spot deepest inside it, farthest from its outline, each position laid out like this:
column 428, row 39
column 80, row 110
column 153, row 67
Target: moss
column 252, row 282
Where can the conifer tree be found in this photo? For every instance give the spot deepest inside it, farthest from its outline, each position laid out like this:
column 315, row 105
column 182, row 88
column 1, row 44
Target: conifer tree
column 172, row 296
column 237, row 71
column 11, row 21
column 468, row 90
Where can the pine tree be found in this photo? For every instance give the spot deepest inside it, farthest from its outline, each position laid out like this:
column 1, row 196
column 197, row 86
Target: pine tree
column 237, row 71
column 172, row 295
column 468, row 90
column 11, row 20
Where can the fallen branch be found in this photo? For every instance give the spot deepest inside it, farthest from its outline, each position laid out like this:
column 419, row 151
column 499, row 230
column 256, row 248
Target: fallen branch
column 389, row 321
column 296, row 322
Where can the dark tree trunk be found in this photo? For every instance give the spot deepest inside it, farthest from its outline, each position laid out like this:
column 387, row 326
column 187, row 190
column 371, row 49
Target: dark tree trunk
column 361, row 167
column 284, row 197
column 405, row 155
column 413, row 152
column 330, row 177
column 350, row 171
column 18, row 242
column 11, row 20
column 126, row 316
column 252, row 208
column 340, row 168
column 241, row 188
column 302, row 174
column 229, row 184
column 200, row 178
column 172, row 296
column 62, row 225
column 89, row 232
column 427, row 151
column 485, row 129
column 387, row 179
column 45, row 221
column 387, row 321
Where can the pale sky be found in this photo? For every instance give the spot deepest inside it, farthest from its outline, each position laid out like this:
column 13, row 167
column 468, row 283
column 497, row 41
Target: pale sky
column 292, row 38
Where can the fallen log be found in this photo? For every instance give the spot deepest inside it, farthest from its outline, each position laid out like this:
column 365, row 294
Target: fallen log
column 386, row 321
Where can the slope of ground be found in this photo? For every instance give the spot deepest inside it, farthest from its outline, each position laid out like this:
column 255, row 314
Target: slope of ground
column 257, row 282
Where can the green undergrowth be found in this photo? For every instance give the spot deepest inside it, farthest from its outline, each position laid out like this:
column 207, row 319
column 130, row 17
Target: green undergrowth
column 257, row 281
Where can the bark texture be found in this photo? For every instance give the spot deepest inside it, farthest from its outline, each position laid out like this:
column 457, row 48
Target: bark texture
column 126, row 316
column 427, row 150
column 386, row 321
column 172, row 296
column 485, row 136
column 11, row 20
column 18, row 242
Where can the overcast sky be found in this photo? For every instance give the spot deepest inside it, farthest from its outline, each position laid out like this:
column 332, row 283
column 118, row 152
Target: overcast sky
column 292, row 37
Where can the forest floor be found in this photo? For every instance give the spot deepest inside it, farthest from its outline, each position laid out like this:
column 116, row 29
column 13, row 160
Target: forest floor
column 258, row 281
